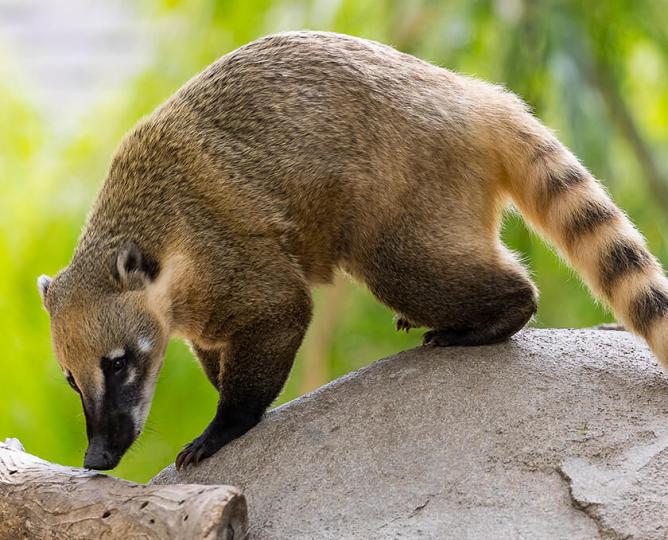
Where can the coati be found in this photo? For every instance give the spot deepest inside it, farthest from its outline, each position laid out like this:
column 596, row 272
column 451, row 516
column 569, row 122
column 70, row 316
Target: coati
column 291, row 157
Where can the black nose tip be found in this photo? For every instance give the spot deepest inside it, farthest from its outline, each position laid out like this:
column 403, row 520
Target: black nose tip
column 100, row 461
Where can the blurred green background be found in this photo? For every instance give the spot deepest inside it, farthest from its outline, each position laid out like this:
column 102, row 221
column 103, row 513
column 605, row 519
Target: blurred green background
column 596, row 72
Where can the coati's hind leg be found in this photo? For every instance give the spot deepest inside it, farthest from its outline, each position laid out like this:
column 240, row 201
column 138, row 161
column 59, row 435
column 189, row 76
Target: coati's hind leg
column 506, row 301
column 466, row 295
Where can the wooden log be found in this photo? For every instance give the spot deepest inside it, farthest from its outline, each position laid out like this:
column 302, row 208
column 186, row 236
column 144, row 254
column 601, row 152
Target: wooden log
column 39, row 499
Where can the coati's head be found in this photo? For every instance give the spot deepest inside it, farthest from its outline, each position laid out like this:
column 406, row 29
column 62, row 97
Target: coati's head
column 109, row 338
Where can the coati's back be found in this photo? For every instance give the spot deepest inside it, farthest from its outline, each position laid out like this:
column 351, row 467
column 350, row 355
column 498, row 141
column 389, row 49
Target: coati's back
column 316, row 105
column 337, row 135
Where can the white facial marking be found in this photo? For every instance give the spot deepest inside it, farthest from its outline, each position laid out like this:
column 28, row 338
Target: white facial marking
column 138, row 417
column 145, row 345
column 141, row 410
column 132, row 375
column 97, row 391
column 116, row 353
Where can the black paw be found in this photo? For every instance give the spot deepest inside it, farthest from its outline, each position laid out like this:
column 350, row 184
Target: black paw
column 215, row 437
column 201, row 448
column 442, row 338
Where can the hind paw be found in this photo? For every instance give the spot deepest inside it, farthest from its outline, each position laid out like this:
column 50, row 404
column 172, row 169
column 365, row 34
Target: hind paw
column 402, row 324
column 442, row 338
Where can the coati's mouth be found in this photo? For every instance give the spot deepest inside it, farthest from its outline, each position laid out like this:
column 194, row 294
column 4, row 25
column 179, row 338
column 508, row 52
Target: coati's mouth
column 101, row 460
column 106, row 449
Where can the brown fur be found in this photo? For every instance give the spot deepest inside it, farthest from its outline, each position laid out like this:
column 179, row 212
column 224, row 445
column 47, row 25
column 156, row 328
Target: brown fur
column 302, row 153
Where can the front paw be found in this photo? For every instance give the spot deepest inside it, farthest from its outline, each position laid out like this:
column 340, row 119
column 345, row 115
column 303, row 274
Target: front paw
column 201, row 448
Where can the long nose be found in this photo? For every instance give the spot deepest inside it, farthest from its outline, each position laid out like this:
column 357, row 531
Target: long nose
column 98, row 456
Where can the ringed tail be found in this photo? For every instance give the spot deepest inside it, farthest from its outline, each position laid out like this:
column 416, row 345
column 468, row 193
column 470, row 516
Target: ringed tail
column 560, row 198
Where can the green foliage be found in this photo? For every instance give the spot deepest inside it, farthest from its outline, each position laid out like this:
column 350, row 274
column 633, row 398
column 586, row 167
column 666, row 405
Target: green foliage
column 550, row 52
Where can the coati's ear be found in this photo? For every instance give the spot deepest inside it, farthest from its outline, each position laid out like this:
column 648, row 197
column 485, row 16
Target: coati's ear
column 132, row 269
column 43, row 283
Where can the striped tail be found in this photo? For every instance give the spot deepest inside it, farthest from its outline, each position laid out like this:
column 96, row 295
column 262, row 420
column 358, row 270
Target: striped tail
column 566, row 205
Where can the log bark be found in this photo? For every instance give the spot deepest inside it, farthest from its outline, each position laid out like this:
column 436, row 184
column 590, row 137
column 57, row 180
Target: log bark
column 39, row 499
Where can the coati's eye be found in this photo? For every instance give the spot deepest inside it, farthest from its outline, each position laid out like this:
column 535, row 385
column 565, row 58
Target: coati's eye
column 116, row 361
column 118, row 364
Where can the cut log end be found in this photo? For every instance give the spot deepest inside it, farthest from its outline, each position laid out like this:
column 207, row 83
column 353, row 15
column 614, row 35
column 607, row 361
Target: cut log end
column 39, row 499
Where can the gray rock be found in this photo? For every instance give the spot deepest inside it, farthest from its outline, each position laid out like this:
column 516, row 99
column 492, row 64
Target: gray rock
column 555, row 434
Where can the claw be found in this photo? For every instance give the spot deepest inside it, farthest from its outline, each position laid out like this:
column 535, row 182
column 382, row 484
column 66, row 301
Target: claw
column 402, row 324
column 182, row 459
column 198, row 456
column 179, row 461
column 192, row 454
column 201, row 448
column 429, row 339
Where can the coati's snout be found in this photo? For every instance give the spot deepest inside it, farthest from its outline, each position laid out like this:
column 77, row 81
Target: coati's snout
column 108, row 440
column 110, row 342
column 115, row 417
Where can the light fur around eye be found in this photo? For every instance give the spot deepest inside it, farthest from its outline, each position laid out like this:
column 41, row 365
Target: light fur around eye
column 145, row 345
column 116, row 353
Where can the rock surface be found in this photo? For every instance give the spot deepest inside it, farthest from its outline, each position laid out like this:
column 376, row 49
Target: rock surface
column 555, row 434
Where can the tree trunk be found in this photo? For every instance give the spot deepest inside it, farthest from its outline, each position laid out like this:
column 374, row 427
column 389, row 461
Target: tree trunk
column 39, row 499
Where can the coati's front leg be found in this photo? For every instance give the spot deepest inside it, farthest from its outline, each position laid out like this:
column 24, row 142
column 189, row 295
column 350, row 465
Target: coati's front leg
column 254, row 366
column 210, row 359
